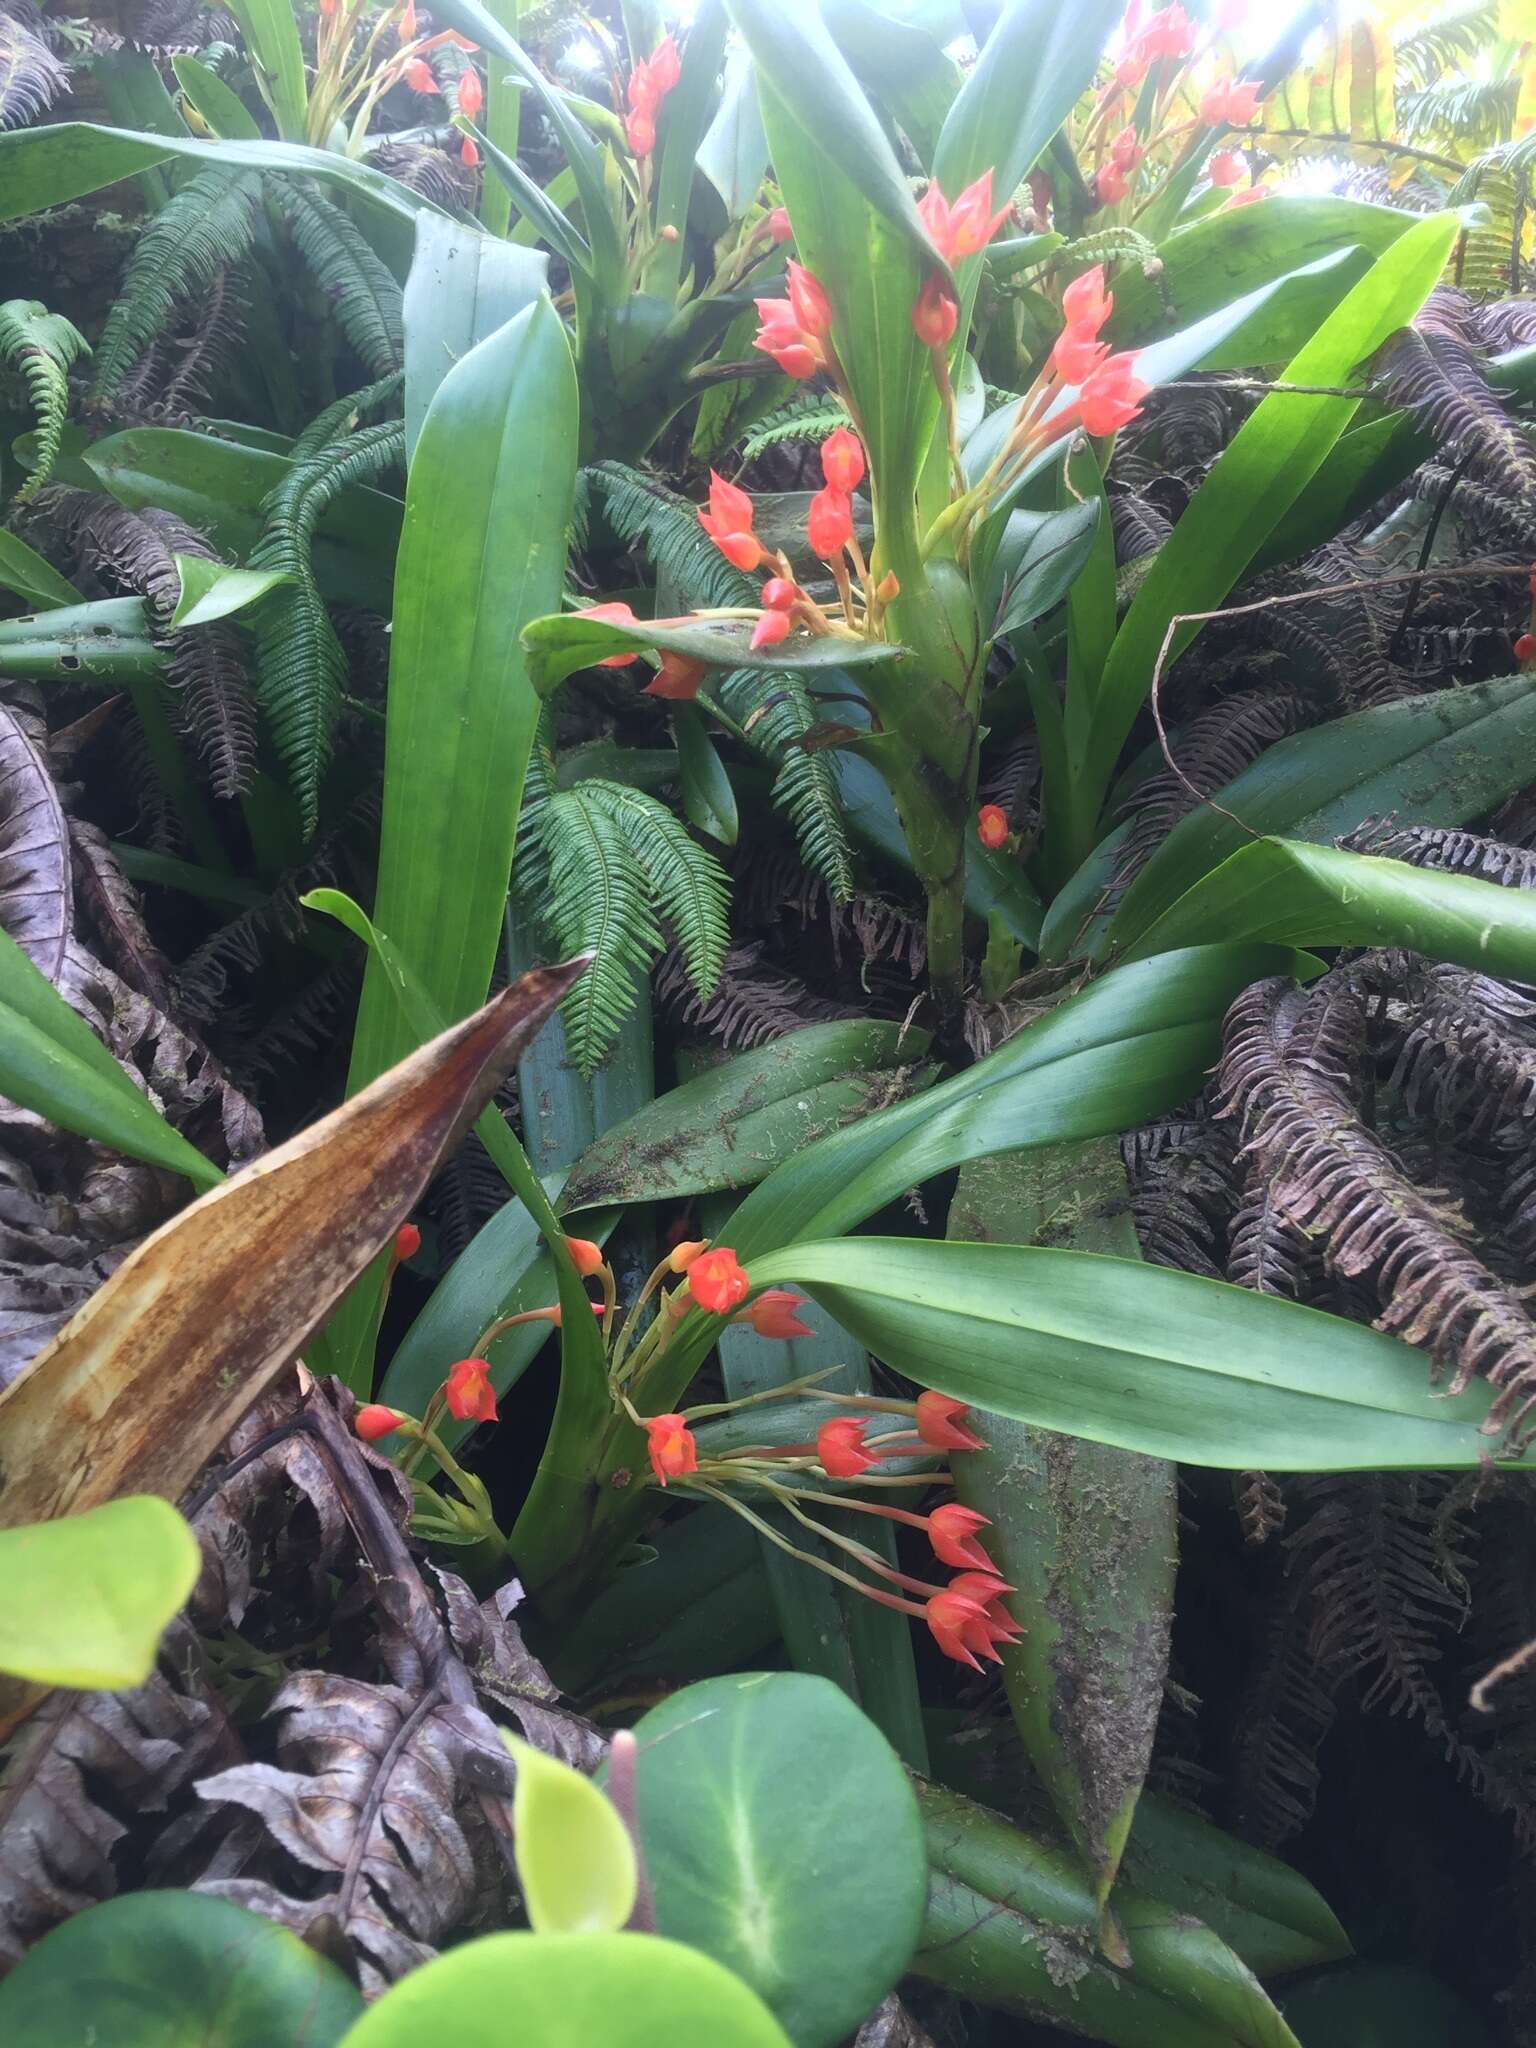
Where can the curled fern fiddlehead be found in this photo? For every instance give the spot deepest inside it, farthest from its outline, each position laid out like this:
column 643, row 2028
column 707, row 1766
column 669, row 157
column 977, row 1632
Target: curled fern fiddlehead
column 43, row 346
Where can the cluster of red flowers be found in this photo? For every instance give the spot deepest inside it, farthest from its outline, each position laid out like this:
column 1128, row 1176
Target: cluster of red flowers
column 796, row 330
column 959, row 230
column 649, row 83
column 1110, row 392
column 1231, row 102
column 1169, row 33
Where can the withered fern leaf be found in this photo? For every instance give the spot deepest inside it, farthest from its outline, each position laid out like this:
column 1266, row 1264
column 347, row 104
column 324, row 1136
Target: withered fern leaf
column 185, row 249
column 31, row 77
column 1302, row 1128
column 1436, row 370
column 44, row 347
column 301, row 670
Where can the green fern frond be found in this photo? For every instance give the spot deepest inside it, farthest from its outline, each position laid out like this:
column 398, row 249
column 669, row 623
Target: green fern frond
column 1482, row 259
column 774, row 711
column 365, row 297
column 44, row 347
column 809, row 416
column 1477, row 111
column 687, row 884
column 345, row 415
column 208, row 225
column 300, row 667
column 1446, row 42
column 601, row 864
column 667, row 526
column 1109, row 245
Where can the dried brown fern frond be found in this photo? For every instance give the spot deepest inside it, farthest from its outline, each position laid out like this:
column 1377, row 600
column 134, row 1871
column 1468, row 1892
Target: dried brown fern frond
column 1437, row 370
column 1334, row 1177
column 1467, row 1052
column 1180, row 1175
column 1450, row 847
column 752, row 1002
column 1285, row 1713
column 1260, row 1506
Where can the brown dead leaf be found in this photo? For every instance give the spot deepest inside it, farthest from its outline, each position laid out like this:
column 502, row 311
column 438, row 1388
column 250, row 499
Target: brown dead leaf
column 139, row 1390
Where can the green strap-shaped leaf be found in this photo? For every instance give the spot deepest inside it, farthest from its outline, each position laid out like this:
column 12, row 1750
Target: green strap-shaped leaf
column 1034, row 65
column 51, row 1061
column 1285, row 890
column 463, row 286
column 1436, row 760
column 41, row 167
column 1258, row 476
column 218, row 104
column 1087, row 1533
column 25, row 571
column 271, row 32
column 566, row 641
column 1141, row 1356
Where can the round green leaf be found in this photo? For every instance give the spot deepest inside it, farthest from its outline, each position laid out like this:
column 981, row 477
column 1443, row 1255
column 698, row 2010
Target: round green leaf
column 174, row 1970
column 83, row 1600
column 569, row 1991
column 575, row 1860
column 781, row 1836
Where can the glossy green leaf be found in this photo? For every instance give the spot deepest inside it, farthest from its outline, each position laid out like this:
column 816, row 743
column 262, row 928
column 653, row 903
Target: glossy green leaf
column 495, row 462
column 569, row 1991
column 782, row 1838
column 175, row 1969
column 1038, row 59
column 534, row 204
column 1287, row 891
column 798, row 59
column 582, row 154
column 1038, row 558
column 463, row 285
column 575, row 1861
column 1212, row 262
column 217, row 103
column 1128, row 1047
column 219, row 487
column 1142, row 1356
column 734, row 1123
column 734, row 153
column 902, row 64
column 52, row 1061
column 25, row 571
column 271, row 33
column 210, row 590
column 1435, row 760
column 708, row 798
column 1010, row 1923
column 566, row 641
column 1262, row 471
column 1087, row 1533
column 85, row 1600
column 107, row 642
column 42, row 167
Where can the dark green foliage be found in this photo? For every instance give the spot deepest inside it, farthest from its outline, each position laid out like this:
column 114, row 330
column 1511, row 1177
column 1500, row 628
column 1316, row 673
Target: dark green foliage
column 44, row 347
column 364, row 296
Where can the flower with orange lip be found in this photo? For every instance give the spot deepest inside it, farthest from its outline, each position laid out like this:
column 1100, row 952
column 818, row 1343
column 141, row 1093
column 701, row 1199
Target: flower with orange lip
column 779, row 594
column 795, row 329
column 992, row 826
column 471, row 93
column 954, row 1619
column 717, row 1282
column 671, row 1446
column 842, row 460
column 614, row 615
column 935, row 312
column 418, row 76
column 678, row 678
column 829, row 523
column 770, row 629
column 773, row 1314
column 940, row 1423
column 728, row 522
column 586, row 1256
column 1111, row 396
column 468, row 1391
column 952, row 1532
column 965, row 228
column 840, row 1449
column 373, row 1420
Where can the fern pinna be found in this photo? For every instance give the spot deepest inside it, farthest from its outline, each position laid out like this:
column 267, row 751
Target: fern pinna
column 44, row 347
column 608, row 870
